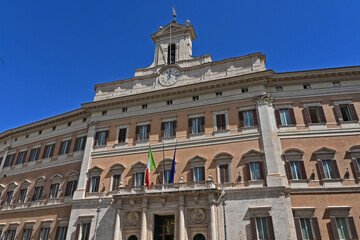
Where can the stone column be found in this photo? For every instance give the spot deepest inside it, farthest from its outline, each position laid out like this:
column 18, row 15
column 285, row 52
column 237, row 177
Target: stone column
column 80, row 191
column 182, row 228
column 212, row 224
column 271, row 143
column 3, row 160
column 117, row 230
column 144, row 230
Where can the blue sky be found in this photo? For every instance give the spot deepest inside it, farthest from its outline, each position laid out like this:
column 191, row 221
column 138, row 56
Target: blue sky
column 53, row 52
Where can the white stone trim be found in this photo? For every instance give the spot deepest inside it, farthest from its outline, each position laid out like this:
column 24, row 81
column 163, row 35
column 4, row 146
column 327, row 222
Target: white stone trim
column 143, row 123
column 226, row 119
column 127, row 126
column 168, row 119
column 196, row 115
column 247, row 108
column 312, row 104
column 344, row 101
column 66, row 139
column 282, row 106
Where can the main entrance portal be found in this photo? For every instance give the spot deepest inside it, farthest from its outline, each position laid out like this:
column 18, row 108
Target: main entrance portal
column 164, row 227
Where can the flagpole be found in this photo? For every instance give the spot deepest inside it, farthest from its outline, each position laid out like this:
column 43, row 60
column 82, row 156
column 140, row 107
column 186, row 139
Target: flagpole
column 156, row 169
column 163, row 163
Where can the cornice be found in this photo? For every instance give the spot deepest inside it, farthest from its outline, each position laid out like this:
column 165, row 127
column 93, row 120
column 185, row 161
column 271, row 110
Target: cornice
column 323, row 190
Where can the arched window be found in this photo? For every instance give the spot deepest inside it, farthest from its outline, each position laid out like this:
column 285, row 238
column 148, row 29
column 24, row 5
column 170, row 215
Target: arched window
column 133, row 237
column 199, row 236
column 171, row 54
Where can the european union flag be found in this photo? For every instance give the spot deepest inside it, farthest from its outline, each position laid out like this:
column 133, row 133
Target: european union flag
column 172, row 173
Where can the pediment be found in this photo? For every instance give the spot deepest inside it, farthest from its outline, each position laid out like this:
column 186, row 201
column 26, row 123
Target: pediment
column 354, row 149
column 117, row 166
column 25, row 183
column 12, row 185
column 95, row 169
column 175, row 27
column 56, row 177
column 197, row 158
column 40, row 179
column 324, row 150
column 252, row 153
column 223, row 156
column 293, row 152
column 73, row 173
column 138, row 165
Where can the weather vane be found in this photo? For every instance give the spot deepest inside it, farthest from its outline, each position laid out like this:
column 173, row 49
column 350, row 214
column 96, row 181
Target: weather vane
column 174, row 13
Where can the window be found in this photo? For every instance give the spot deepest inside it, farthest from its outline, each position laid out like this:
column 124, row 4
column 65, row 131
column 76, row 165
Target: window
column 285, row 117
column 306, row 229
column 248, row 118
column 61, row 233
column 54, row 188
column 279, row 89
column 9, row 160
column 9, row 195
column 167, row 174
column 244, row 90
column 220, row 122
column 144, row 106
column 64, row 147
column 170, row 102
column 328, row 169
column 122, row 135
column 34, row 154
column 142, row 132
column 336, row 84
column 101, row 138
column 44, row 233
column 115, row 182
column 54, row 128
column 69, row 124
column 195, row 98
column 84, row 119
column 10, row 234
column 80, row 144
column 48, row 152
column 224, row 173
column 71, row 187
column 196, row 125
column 345, row 112
column 104, row 113
column 124, row 109
column 21, row 157
column 262, row 228
column 295, row 170
column 85, row 231
column 22, row 195
column 26, row 234
column 342, row 228
column 314, row 114
column 255, row 171
column 218, row 94
column 37, row 193
column 306, row 226
column 199, row 174
column 40, row 132
column 171, row 54
column 95, row 181
column 307, row 86
column 139, row 179
column 168, row 129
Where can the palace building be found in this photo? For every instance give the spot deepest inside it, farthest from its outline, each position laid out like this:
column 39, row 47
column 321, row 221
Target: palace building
column 259, row 155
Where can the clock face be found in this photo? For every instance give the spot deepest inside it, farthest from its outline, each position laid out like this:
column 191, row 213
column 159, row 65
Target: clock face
column 169, row 76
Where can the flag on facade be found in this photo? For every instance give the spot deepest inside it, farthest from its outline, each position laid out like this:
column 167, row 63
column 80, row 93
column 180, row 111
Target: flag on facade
column 150, row 166
column 172, row 172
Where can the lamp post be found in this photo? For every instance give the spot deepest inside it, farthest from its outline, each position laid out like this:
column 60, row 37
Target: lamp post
column 223, row 204
column 98, row 210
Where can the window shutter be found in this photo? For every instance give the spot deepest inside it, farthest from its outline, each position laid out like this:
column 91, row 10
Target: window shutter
column 52, row 150
column 354, row 116
column 76, row 145
column 192, row 174
column 292, row 116
column 96, row 139
column 190, row 125
column 148, row 131
column 355, row 167
column 225, row 170
column 261, row 169
column 122, row 135
column 143, row 179
column 338, row 113
column 298, row 228
column 88, row 185
column 133, row 179
column 316, row 229
column 253, row 228
column 302, row 170
column 137, row 131
column 37, row 153
column 68, row 147
column 307, row 117
column 162, row 129
column 248, row 171
column 352, row 228
column 255, row 117
column 45, row 150
column 77, row 232
column 336, row 169
column 321, row 114
column 162, row 179
column 321, row 169
column 67, row 189
column 271, row 228
column 203, row 173
column 222, row 173
column 218, row 122
column 241, row 119
column 334, row 228
column 174, row 129
column 106, row 137
column 84, row 144
column 277, row 117
column 202, row 121
column 61, row 146
column 288, row 170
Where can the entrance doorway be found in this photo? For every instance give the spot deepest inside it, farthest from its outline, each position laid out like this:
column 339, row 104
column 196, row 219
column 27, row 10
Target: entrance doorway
column 164, row 227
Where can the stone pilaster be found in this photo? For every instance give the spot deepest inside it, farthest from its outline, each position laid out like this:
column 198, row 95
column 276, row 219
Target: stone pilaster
column 3, row 161
column 80, row 191
column 182, row 228
column 144, row 230
column 212, row 224
column 117, row 229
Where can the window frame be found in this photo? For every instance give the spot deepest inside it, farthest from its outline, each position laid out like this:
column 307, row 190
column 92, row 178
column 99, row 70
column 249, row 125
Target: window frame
column 201, row 124
column 225, row 121
column 49, row 153
column 78, row 141
column 138, row 129
column 65, row 150
column 116, row 169
column 173, row 123
column 138, row 168
column 253, row 111
column 199, row 163
column 291, row 116
column 101, row 133
column 119, row 128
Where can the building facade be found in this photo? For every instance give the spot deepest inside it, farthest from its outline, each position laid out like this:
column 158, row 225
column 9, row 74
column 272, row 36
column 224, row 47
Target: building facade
column 259, row 155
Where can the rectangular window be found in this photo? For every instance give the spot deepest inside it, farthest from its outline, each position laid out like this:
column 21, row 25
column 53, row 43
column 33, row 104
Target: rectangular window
column 34, row 154
column 95, row 181
column 262, row 228
column 124, row 110
column 306, row 229
column 44, row 233
column 169, row 102
column 336, row 84
column 248, row 118
column 139, row 181
column 295, row 170
column 10, row 234
column 358, row 162
column 144, row 106
column 37, row 193
column 314, row 115
column 116, row 181
column 307, row 86
column 255, row 171
column 122, row 135
column 22, row 195
column 101, row 138
column 195, row 98
column 196, row 125
column 9, row 196
column 168, row 129
column 285, row 117
column 54, row 188
column 218, row 94
column 342, row 228
column 220, row 122
column 9, row 160
column 143, row 132
column 70, row 188
column 48, row 152
column 61, row 233
column 85, row 231
column 279, row 89
column 80, row 144
column 345, row 112
column 64, row 147
column 26, row 234
column 328, row 169
column 167, row 174
column 224, row 173
column 21, row 157
column 199, row 174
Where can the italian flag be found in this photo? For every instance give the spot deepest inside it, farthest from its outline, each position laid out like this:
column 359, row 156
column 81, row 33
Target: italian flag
column 150, row 166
